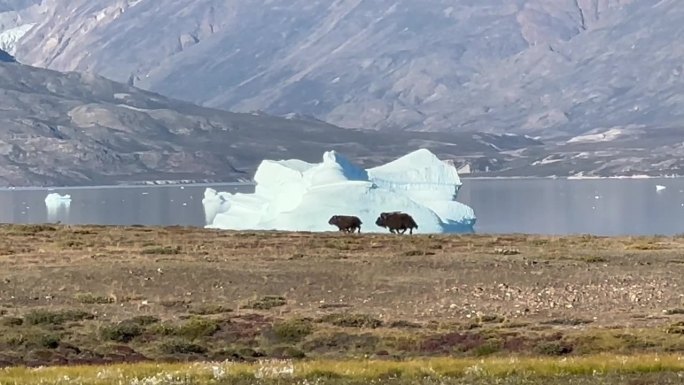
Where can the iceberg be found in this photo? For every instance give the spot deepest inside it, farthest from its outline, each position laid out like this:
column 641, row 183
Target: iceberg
column 293, row 195
column 57, row 206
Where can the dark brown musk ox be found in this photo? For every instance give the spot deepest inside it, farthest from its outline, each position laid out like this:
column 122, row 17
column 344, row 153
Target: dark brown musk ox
column 396, row 221
column 346, row 223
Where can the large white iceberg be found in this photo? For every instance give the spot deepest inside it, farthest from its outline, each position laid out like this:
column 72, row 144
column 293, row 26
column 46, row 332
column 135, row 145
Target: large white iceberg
column 293, row 195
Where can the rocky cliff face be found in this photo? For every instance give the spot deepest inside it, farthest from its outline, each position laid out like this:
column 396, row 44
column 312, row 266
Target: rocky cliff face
column 598, row 81
column 81, row 129
column 371, row 64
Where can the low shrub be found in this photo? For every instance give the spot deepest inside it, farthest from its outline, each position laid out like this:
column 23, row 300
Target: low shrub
column 165, row 250
column 352, row 320
column 32, row 339
column 293, row 330
column 266, row 303
column 92, row 299
column 180, row 346
column 675, row 328
column 11, row 321
column 29, row 229
column 122, row 332
column 404, row 324
column 143, row 320
column 210, row 309
column 191, row 329
column 553, row 348
column 567, row 321
column 46, row 317
column 286, row 352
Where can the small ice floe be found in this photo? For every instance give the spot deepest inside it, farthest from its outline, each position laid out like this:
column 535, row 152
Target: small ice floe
column 57, row 206
column 660, row 187
column 55, row 198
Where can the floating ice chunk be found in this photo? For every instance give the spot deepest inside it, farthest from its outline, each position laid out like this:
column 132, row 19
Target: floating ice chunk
column 660, row 187
column 293, row 195
column 57, row 206
column 213, row 202
column 55, row 198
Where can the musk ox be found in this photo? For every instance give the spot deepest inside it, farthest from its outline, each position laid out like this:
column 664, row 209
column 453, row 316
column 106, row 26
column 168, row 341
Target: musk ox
column 396, row 221
column 346, row 223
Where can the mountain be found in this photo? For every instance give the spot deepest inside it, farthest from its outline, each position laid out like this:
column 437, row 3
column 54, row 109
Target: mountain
column 6, row 58
column 596, row 82
column 399, row 64
column 82, row 129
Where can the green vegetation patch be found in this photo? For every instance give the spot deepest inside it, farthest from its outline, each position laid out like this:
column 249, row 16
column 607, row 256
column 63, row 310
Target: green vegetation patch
column 122, row 332
column 191, row 329
column 351, row 320
column 162, row 250
column 292, row 331
column 206, row 309
column 58, row 317
column 266, row 303
column 92, row 299
column 174, row 346
column 595, row 370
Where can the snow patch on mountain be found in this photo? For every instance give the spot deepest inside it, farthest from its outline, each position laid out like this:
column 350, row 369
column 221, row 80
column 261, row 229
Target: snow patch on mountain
column 10, row 37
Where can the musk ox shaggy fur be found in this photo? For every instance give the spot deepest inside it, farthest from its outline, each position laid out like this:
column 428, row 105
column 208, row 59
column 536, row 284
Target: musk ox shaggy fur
column 396, row 221
column 346, row 223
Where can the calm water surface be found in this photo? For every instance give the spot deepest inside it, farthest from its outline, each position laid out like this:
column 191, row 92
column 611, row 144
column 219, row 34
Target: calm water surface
column 545, row 206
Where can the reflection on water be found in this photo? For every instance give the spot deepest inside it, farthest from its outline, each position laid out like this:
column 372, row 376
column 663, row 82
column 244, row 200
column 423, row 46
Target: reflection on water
column 548, row 206
column 560, row 206
column 157, row 205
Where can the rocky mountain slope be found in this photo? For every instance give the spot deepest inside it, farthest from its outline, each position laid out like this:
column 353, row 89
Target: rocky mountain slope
column 355, row 63
column 78, row 129
column 598, row 81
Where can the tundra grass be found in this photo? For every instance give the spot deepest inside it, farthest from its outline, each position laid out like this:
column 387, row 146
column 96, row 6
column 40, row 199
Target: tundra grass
column 597, row 369
column 102, row 295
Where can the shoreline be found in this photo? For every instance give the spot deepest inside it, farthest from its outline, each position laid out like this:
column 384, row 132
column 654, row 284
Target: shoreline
column 240, row 184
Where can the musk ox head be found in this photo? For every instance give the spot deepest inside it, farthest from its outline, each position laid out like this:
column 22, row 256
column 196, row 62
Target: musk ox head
column 381, row 221
column 334, row 220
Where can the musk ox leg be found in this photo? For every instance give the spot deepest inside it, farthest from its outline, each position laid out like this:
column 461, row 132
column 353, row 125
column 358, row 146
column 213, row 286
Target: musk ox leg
column 411, row 230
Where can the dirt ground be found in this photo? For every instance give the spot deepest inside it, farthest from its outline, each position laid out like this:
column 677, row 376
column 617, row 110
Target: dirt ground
column 540, row 283
column 610, row 281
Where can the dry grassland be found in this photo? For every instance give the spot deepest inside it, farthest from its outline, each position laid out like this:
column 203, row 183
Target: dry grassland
column 95, row 295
